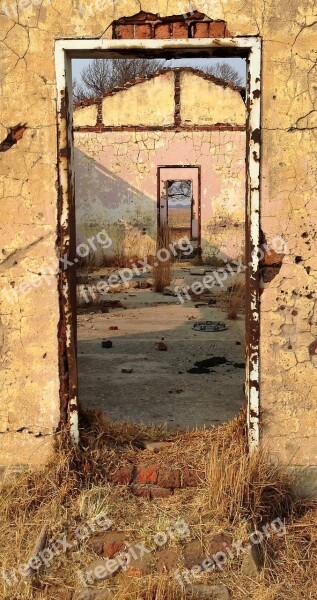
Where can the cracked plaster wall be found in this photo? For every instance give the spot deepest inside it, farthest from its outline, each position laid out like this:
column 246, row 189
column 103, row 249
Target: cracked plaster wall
column 288, row 207
column 116, row 186
column 116, row 171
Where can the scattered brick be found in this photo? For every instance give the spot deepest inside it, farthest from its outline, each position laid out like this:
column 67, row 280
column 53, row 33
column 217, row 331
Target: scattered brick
column 138, row 567
column 113, row 328
column 125, row 32
column 169, row 478
column 108, row 543
column 167, row 559
column 114, row 544
column 193, row 554
column 161, row 346
column 218, row 543
column 147, row 474
column 123, row 476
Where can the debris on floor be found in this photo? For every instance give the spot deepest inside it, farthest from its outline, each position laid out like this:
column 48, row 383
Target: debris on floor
column 210, row 326
column 106, row 344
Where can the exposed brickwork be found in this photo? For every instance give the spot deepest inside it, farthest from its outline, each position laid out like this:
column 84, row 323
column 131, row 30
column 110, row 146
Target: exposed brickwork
column 169, row 478
column 149, row 26
column 162, row 31
column 147, row 474
column 155, row 480
column 180, row 30
column 123, row 476
column 191, row 478
column 201, row 30
column 217, row 29
column 143, row 31
column 125, row 32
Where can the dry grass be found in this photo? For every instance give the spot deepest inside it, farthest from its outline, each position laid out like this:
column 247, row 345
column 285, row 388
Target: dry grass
column 162, row 271
column 241, row 493
column 234, row 298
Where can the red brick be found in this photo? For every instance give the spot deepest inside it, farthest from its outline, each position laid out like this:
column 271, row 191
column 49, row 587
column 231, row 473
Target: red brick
column 163, row 31
column 146, row 474
column 272, row 258
column 158, row 492
column 141, row 492
column 191, row 478
column 125, row 32
column 107, row 543
column 111, row 549
column 143, row 32
column 217, row 29
column 179, row 30
column 167, row 559
column 169, row 478
column 139, row 567
column 123, row 476
column 201, row 30
column 161, row 346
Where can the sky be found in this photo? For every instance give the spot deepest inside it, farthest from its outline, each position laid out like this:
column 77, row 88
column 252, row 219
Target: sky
column 238, row 63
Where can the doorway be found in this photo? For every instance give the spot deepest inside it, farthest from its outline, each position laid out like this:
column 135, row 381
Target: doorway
column 179, row 204
column 66, row 49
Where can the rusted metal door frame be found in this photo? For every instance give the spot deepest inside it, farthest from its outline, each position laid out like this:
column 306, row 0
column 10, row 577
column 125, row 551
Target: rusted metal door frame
column 65, row 50
column 198, row 167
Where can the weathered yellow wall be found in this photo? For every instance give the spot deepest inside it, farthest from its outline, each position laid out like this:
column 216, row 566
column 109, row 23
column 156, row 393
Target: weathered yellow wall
column 149, row 103
column 206, row 103
column 85, row 116
column 288, row 207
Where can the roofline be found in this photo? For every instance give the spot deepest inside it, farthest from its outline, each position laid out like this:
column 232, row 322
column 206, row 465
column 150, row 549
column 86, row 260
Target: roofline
column 138, row 80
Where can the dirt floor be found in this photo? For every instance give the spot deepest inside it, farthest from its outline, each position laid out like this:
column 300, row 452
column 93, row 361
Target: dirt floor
column 135, row 381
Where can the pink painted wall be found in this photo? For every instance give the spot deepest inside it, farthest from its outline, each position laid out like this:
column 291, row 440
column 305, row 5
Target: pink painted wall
column 116, row 183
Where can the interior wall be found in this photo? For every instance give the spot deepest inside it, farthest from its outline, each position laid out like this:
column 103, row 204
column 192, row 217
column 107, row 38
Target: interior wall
column 116, row 186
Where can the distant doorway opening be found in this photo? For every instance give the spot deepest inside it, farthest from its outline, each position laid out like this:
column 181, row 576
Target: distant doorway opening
column 179, row 205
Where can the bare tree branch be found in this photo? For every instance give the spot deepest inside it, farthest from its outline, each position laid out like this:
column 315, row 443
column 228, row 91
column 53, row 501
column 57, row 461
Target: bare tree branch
column 225, row 71
column 102, row 75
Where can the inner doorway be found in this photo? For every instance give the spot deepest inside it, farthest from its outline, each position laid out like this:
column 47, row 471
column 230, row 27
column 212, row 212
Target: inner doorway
column 179, row 203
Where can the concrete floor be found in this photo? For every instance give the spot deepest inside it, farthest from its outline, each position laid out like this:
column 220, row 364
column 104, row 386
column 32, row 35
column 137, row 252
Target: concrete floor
column 160, row 390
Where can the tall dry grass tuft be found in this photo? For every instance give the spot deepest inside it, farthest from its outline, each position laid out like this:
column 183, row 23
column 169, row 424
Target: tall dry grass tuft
column 246, row 485
column 234, row 298
column 162, row 272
